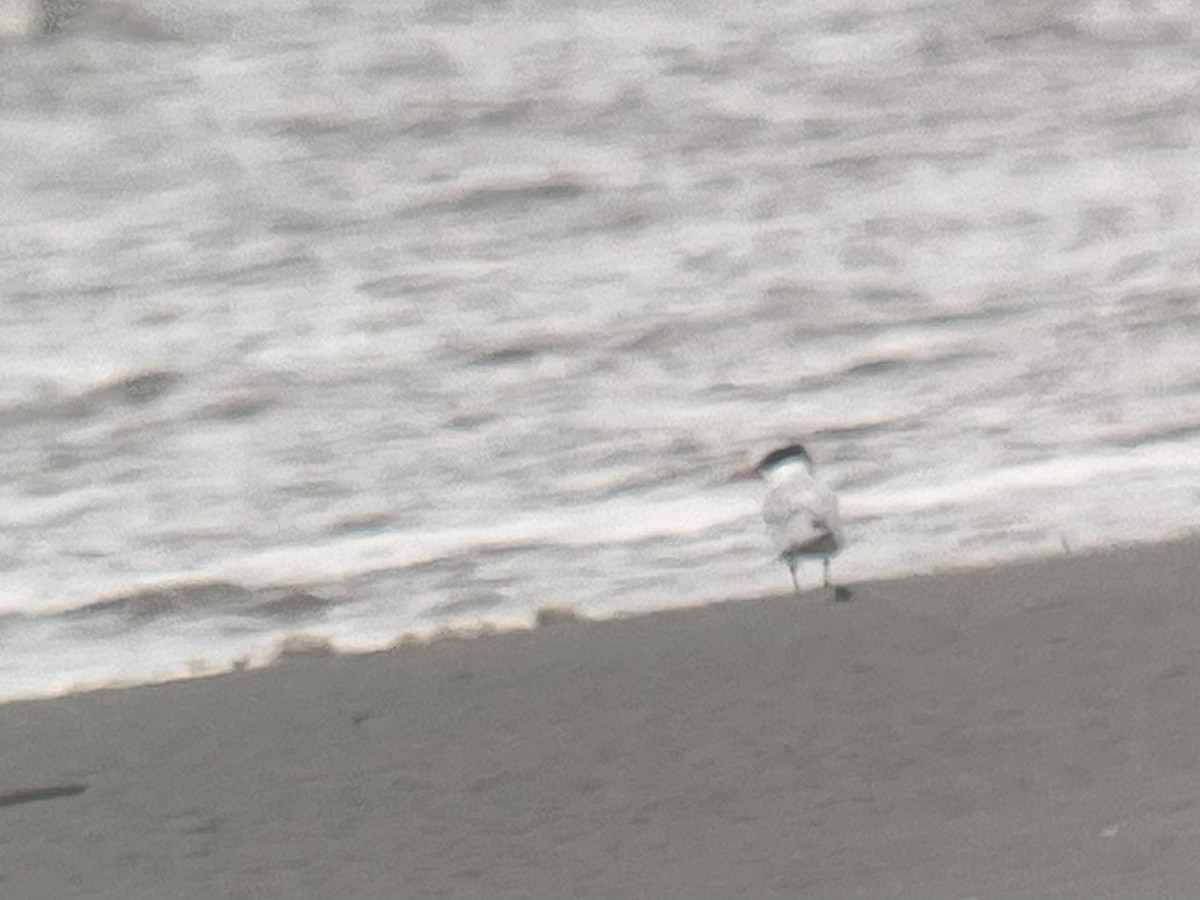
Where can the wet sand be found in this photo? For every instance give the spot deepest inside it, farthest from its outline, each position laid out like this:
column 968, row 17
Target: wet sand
column 1026, row 731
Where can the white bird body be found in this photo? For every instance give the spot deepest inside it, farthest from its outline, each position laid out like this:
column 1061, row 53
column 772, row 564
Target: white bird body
column 800, row 510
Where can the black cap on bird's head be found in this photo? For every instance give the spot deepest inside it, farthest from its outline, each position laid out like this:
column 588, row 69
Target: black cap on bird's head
column 790, row 453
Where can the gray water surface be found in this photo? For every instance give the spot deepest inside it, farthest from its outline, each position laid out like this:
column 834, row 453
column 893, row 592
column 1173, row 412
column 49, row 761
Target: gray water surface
column 361, row 319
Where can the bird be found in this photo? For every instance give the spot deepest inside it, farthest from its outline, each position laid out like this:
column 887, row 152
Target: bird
column 800, row 510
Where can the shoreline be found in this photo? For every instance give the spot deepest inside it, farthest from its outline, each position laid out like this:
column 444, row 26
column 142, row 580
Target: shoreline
column 1018, row 731
column 311, row 639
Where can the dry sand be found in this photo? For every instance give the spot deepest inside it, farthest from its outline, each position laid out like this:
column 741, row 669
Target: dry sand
column 1031, row 731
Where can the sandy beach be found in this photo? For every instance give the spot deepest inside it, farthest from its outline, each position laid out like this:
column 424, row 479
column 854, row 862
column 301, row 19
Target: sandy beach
column 1026, row 731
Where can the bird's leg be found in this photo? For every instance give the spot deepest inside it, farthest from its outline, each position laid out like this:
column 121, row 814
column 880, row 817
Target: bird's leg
column 793, row 562
column 826, row 561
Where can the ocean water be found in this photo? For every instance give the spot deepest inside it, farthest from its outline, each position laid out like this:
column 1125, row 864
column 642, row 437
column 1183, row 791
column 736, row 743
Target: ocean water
column 344, row 321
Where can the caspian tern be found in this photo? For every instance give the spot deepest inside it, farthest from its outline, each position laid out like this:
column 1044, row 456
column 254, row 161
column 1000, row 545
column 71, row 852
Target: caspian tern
column 801, row 512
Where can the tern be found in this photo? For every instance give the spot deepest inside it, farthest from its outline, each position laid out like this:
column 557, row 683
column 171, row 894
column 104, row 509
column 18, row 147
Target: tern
column 800, row 510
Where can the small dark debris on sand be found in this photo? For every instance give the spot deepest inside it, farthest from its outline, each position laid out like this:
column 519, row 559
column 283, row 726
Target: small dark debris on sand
column 33, row 795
